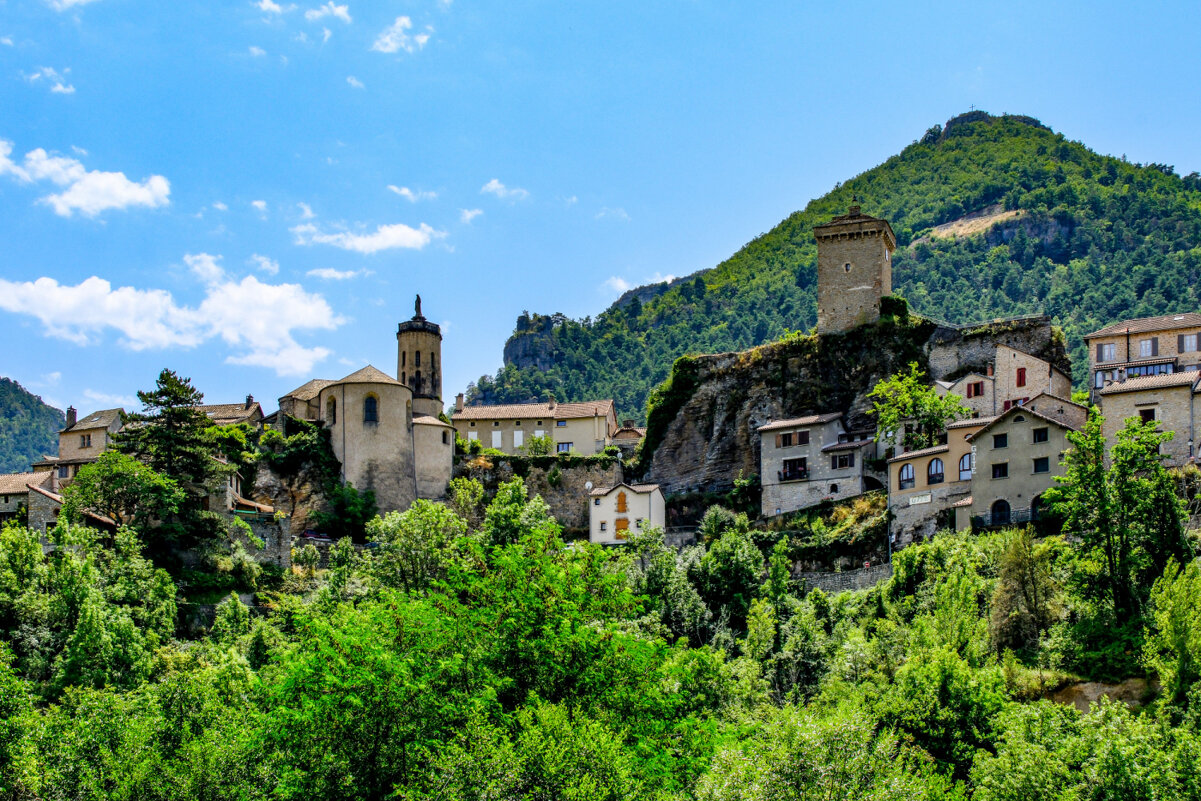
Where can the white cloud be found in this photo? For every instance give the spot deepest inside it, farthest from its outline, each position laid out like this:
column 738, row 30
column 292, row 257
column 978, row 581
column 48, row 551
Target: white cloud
column 325, row 34
column 260, row 206
column 89, row 192
column 355, row 82
column 7, row 41
column 264, row 263
column 396, row 37
column 273, row 8
column 57, row 81
column 63, row 5
column 328, row 10
column 205, row 266
column 219, row 206
column 330, row 274
column 614, row 213
column 257, row 52
column 306, row 211
column 618, row 284
column 108, row 400
column 410, row 195
column 256, row 320
column 385, row 237
column 467, row 215
column 495, row 187
column 571, row 201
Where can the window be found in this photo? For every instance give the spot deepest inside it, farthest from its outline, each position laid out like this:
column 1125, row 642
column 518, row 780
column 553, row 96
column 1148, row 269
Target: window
column 792, row 438
column 497, row 439
column 1041, row 435
column 1148, row 348
column 794, row 470
column 1000, row 470
column 561, row 424
column 604, row 526
column 1000, row 513
column 473, row 436
column 638, row 523
column 596, row 501
column 847, row 267
column 85, row 440
column 833, row 489
column 842, row 461
column 431, row 361
column 1000, row 440
column 564, row 447
column 1042, row 465
column 1107, row 353
column 417, row 359
column 472, row 424
column 934, row 472
column 785, row 440
column 1186, row 343
column 1147, row 415
column 496, row 424
column 331, row 411
column 445, row 441
column 1149, row 369
column 906, row 476
column 64, row 471
column 975, row 389
column 518, row 438
column 621, row 503
column 517, row 423
column 370, row 409
column 620, row 528
column 538, row 432
column 965, row 467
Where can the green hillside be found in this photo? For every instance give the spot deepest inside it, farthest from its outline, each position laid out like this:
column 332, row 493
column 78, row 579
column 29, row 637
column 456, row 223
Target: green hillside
column 1097, row 239
column 28, row 427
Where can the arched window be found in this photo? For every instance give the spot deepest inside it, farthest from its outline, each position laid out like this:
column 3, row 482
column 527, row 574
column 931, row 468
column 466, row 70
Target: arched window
column 621, row 502
column 331, row 411
column 404, row 377
column 1036, row 508
column 965, row 467
column 431, row 361
column 417, row 381
column 934, row 472
column 404, row 354
column 1000, row 513
column 370, row 409
column 417, row 358
column 907, row 476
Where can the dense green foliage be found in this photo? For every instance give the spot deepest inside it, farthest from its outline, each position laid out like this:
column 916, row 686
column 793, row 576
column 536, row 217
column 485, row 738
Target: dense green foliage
column 473, row 654
column 28, row 427
column 1099, row 240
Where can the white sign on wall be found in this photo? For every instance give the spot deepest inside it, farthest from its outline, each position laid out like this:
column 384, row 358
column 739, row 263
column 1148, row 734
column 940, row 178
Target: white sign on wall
column 914, row 500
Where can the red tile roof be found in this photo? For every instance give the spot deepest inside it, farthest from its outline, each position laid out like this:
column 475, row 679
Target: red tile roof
column 1145, row 382
column 526, row 411
column 800, row 422
column 918, row 454
column 1145, row 325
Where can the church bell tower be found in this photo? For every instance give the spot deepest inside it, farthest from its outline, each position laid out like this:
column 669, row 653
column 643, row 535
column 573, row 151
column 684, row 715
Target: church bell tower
column 419, row 362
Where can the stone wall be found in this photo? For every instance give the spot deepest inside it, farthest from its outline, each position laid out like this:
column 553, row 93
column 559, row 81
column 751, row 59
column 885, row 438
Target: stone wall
column 567, row 496
column 710, row 435
column 300, row 502
column 833, row 583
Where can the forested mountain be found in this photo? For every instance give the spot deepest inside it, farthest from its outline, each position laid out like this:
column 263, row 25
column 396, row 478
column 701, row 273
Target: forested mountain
column 1042, row 224
column 28, row 427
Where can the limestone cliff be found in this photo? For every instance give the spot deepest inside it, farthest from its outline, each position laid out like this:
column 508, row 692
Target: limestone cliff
column 702, row 424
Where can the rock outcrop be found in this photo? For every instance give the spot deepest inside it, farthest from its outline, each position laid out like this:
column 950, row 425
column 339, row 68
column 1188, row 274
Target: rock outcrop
column 702, row 425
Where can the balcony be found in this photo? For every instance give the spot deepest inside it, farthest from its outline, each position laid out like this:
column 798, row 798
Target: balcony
column 793, row 475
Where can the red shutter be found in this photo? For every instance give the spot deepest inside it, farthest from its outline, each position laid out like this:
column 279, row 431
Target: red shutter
column 1021, row 376
column 779, row 437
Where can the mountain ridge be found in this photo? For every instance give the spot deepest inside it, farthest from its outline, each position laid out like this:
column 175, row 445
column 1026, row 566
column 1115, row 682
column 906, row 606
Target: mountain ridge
column 28, row 427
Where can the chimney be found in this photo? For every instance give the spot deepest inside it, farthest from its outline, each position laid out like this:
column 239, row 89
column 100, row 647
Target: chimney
column 854, row 211
column 72, row 416
column 459, row 402
column 627, row 423
column 989, row 371
column 249, row 401
column 551, row 403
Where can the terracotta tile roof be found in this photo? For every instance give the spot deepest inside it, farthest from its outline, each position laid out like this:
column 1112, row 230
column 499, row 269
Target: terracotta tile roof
column 1145, row 325
column 797, row 422
column 639, row 488
column 524, row 411
column 224, row 414
column 368, row 375
column 309, row 390
column 919, row 454
column 1073, row 417
column 1137, row 363
column 965, row 502
column 848, row 446
column 1143, row 382
column 59, row 499
column 629, row 432
column 101, row 419
column 428, row 420
column 971, row 421
column 16, row 483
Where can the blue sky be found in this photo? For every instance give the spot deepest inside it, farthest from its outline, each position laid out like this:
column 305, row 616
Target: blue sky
column 252, row 192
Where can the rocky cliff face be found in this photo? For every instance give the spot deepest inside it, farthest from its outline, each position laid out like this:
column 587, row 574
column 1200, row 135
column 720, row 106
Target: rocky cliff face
column 704, row 430
column 299, row 500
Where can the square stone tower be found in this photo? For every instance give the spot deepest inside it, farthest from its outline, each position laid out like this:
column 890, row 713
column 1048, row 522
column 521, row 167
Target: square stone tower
column 854, row 270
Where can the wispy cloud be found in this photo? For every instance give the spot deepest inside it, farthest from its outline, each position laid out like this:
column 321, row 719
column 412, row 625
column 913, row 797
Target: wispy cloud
column 396, row 37
column 618, row 284
column 257, row 321
column 467, row 215
column 306, row 211
column 64, row 5
column 88, row 192
column 219, row 206
column 495, row 187
column 260, row 206
column 110, row 400
column 269, row 7
column 355, row 82
column 265, row 264
column 7, row 41
column 48, row 76
column 257, row 52
column 330, row 274
column 410, row 195
column 385, row 237
column 330, row 9
column 613, row 214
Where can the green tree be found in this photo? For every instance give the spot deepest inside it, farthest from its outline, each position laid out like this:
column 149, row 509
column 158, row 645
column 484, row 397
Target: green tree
column 1173, row 641
column 729, row 576
column 416, row 546
column 169, row 433
column 905, row 402
column 122, row 488
column 1024, row 603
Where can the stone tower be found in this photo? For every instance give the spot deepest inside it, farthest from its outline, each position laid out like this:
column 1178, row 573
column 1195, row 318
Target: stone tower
column 854, row 270
column 419, row 362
